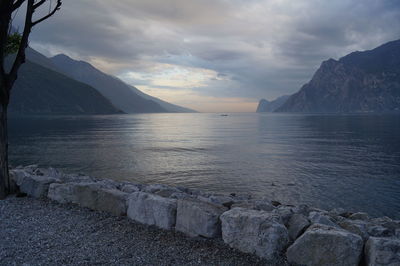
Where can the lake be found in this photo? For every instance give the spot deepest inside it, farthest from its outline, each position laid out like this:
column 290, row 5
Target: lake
column 327, row 161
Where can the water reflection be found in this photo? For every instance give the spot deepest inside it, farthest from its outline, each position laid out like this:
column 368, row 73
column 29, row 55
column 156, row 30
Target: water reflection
column 326, row 161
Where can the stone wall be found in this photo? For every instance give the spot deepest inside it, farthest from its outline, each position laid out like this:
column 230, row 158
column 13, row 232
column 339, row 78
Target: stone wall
column 302, row 234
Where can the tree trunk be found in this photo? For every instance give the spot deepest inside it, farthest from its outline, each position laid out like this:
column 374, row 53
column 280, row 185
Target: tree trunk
column 4, row 174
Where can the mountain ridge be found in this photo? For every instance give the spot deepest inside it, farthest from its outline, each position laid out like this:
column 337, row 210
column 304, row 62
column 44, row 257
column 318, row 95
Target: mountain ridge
column 360, row 82
column 270, row 106
column 43, row 91
column 124, row 96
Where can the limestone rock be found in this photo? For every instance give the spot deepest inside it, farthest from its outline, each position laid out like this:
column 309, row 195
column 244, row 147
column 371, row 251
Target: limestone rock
column 325, row 245
column 36, row 186
column 298, row 223
column 359, row 216
column 382, row 252
column 318, row 218
column 285, row 212
column 151, row 209
column 130, row 188
column 259, row 205
column 251, row 231
column 97, row 197
column 301, row 209
column 356, row 227
column 197, row 218
column 62, row 192
column 379, row 231
column 113, row 201
column 221, row 200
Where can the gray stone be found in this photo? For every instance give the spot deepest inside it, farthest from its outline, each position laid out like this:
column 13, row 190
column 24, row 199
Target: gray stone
column 258, row 205
column 97, row 197
column 356, row 227
column 34, row 186
column 107, row 183
column 251, row 231
column 301, row 209
column 298, row 223
column 325, row 245
column 221, row 200
column 380, row 231
column 197, row 218
column 18, row 175
column 285, row 212
column 62, row 192
column 130, row 188
column 181, row 195
column 318, row 218
column 77, row 179
column 382, row 252
column 151, row 209
column 113, row 201
column 338, row 212
column 359, row 216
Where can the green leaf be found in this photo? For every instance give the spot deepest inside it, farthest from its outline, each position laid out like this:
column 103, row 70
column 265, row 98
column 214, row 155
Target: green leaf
column 13, row 42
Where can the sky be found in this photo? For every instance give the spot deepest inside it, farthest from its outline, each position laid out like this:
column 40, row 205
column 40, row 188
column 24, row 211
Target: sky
column 215, row 55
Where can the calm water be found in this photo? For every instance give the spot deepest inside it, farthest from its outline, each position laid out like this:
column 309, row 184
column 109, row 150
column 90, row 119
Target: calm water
column 326, row 161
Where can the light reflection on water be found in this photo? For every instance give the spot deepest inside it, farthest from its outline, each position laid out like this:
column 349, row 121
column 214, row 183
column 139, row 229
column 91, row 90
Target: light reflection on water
column 326, row 161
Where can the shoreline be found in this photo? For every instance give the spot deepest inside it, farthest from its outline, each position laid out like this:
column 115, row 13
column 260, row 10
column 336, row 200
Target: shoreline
column 261, row 226
column 43, row 232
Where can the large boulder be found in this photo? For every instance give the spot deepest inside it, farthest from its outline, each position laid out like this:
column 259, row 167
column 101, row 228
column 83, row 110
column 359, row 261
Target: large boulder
column 382, row 252
column 298, row 223
column 251, row 231
column 62, row 192
column 97, row 197
column 326, row 245
column 130, row 188
column 151, row 209
column 320, row 218
column 358, row 227
column 36, row 186
column 198, row 218
column 285, row 212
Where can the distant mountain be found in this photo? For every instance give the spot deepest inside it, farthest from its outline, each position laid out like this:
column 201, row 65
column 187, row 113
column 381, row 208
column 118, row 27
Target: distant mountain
column 366, row 81
column 171, row 108
column 40, row 90
column 270, row 106
column 123, row 96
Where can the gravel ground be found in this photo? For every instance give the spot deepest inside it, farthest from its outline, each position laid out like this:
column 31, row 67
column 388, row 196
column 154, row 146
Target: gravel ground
column 41, row 232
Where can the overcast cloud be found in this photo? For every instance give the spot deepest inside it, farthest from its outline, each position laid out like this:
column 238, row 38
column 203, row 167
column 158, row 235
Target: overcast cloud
column 216, row 55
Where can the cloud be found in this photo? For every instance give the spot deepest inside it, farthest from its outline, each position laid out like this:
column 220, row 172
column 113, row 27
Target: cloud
column 254, row 48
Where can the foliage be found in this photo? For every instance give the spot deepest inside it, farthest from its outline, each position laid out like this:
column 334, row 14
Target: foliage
column 13, row 41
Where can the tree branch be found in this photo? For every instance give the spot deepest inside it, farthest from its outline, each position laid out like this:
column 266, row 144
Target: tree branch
column 20, row 57
column 41, row 2
column 17, row 4
column 48, row 15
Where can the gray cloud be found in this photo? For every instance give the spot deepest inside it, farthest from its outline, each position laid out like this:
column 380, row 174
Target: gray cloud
column 257, row 48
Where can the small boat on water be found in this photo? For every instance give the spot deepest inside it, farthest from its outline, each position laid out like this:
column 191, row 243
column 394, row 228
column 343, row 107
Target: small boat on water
column 223, row 115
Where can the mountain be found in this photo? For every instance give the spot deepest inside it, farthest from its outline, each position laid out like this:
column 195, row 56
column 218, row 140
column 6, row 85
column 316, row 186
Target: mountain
column 367, row 81
column 270, row 106
column 171, row 108
column 40, row 90
column 123, row 96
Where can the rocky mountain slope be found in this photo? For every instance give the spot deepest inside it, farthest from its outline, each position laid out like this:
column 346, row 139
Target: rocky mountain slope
column 270, row 106
column 360, row 82
column 125, row 97
column 40, row 90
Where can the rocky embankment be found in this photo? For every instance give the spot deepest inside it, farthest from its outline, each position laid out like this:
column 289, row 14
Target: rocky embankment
column 301, row 234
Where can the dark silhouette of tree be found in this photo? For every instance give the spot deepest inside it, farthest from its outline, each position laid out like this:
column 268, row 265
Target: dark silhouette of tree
column 14, row 43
